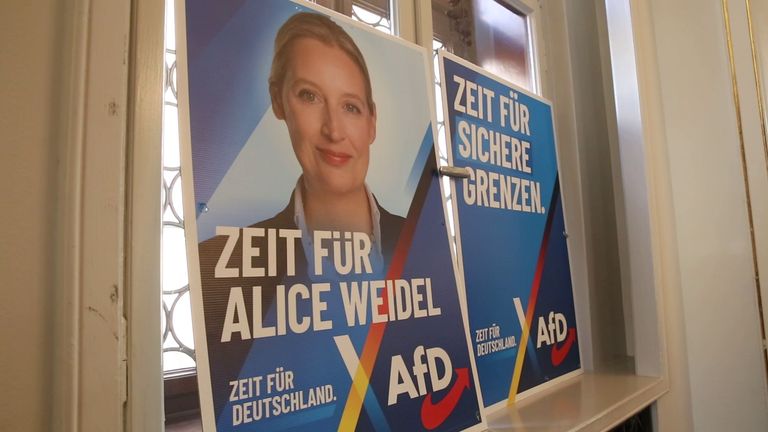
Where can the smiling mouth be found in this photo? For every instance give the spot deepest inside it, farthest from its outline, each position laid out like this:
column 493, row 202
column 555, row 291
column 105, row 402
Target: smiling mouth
column 334, row 158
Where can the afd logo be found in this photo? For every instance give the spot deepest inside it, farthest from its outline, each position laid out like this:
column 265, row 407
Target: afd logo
column 428, row 371
column 431, row 368
column 553, row 331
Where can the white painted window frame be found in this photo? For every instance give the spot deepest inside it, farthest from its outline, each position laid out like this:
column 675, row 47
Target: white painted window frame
column 106, row 343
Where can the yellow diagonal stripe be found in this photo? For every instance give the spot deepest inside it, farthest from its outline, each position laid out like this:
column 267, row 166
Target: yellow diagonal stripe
column 355, row 400
column 519, row 364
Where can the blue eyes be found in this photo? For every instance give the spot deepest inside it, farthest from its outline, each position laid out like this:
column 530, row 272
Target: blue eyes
column 310, row 97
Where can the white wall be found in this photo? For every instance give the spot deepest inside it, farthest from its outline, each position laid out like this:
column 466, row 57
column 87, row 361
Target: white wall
column 720, row 349
column 28, row 92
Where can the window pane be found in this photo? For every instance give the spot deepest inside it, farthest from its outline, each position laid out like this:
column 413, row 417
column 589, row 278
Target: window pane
column 489, row 33
column 375, row 14
column 174, row 258
column 171, row 157
column 170, row 26
column 502, row 41
column 178, row 346
column 174, row 360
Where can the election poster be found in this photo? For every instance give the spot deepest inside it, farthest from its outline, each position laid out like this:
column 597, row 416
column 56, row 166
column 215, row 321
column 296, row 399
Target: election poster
column 324, row 293
column 512, row 240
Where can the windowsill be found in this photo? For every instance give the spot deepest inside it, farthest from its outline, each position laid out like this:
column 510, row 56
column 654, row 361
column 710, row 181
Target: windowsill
column 189, row 425
column 588, row 402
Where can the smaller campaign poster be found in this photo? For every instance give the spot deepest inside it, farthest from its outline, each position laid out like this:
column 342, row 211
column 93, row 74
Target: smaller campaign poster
column 511, row 234
column 323, row 290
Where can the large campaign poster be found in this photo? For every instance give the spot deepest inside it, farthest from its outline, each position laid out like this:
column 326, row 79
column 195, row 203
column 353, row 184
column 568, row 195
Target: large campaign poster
column 512, row 239
column 324, row 293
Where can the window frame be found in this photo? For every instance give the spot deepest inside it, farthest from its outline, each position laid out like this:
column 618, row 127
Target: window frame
column 143, row 97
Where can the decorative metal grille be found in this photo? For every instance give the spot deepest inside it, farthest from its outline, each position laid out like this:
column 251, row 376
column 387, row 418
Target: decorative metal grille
column 372, row 18
column 178, row 344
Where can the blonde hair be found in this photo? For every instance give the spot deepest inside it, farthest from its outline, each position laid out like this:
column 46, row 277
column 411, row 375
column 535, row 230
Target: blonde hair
column 321, row 28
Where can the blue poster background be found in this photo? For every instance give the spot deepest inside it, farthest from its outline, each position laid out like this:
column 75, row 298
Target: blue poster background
column 244, row 172
column 502, row 248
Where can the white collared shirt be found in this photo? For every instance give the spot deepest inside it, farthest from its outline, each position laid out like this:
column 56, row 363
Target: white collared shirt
column 376, row 257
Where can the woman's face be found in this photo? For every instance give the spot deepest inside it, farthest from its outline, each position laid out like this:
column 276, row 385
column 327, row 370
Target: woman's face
column 331, row 126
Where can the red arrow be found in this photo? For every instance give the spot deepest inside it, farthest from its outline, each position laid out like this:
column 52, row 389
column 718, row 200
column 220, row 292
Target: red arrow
column 433, row 415
column 559, row 353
